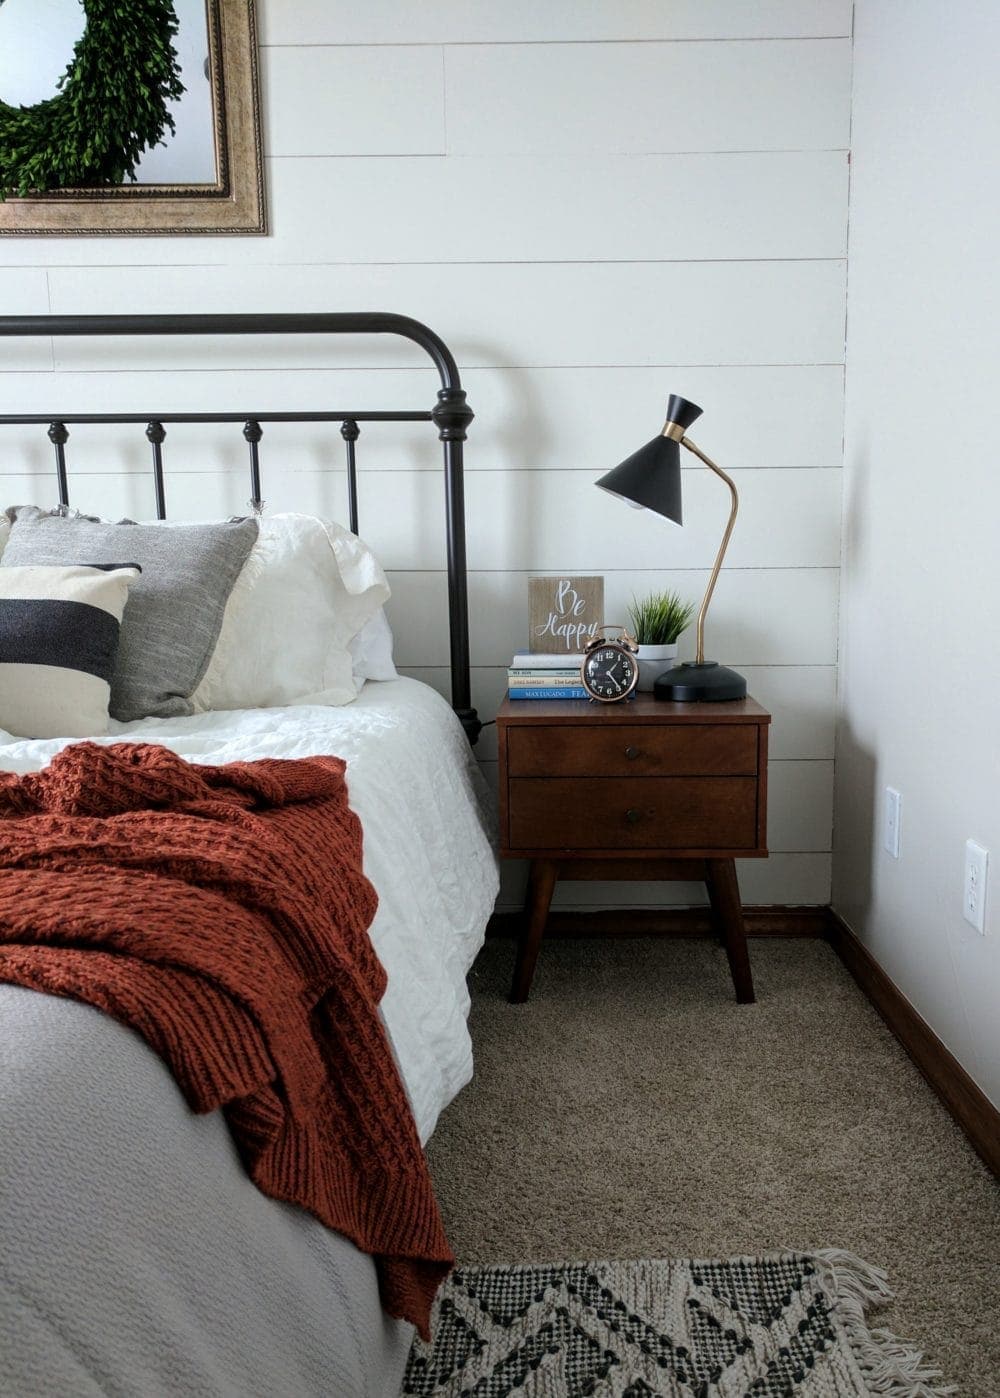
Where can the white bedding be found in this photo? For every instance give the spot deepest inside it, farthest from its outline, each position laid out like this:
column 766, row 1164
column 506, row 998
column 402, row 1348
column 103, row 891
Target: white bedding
column 428, row 847
column 137, row 1258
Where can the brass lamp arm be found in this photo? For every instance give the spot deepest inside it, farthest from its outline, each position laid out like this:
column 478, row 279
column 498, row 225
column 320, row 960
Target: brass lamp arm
column 687, row 442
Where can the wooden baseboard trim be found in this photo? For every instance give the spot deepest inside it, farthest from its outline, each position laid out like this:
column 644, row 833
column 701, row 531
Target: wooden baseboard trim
column 667, row 922
column 964, row 1100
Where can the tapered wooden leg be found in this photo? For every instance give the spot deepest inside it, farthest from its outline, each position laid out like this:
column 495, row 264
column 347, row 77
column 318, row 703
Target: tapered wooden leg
column 724, row 894
column 541, row 882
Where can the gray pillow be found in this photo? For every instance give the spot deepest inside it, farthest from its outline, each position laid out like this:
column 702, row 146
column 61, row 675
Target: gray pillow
column 174, row 611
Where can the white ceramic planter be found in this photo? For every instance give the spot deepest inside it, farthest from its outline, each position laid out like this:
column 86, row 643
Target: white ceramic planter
column 653, row 660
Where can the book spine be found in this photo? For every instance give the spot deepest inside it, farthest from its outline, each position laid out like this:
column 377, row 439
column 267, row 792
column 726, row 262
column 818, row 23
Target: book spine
column 547, row 692
column 529, row 660
column 555, row 677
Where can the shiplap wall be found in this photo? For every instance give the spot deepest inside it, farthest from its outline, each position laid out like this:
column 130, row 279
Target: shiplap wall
column 595, row 206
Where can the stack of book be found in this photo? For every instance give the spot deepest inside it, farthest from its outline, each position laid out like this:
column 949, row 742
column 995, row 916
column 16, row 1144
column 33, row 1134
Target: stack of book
column 540, row 676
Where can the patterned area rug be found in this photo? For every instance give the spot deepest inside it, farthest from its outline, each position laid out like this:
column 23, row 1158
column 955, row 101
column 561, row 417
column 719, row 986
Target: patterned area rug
column 786, row 1325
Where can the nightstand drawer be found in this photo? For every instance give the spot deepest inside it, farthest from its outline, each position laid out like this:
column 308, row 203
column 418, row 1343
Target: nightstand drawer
column 608, row 813
column 621, row 750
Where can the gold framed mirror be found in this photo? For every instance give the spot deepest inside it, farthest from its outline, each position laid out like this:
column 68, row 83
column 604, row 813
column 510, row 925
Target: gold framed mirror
column 230, row 203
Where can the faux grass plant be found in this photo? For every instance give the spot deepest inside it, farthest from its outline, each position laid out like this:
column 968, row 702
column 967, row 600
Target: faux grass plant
column 657, row 620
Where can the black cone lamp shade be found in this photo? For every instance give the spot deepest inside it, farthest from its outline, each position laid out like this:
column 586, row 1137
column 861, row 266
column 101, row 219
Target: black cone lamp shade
column 651, row 479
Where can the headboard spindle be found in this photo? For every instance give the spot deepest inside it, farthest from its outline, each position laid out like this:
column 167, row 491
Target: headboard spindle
column 59, row 436
column 252, row 431
column 155, row 434
column 350, row 431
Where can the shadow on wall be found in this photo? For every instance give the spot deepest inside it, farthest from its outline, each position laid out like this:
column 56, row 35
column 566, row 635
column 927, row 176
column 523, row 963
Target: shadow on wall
column 856, row 841
column 857, row 479
column 524, row 431
column 855, row 828
column 516, row 436
column 521, row 433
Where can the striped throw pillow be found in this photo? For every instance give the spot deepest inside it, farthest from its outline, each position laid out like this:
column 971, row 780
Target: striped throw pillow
column 59, row 629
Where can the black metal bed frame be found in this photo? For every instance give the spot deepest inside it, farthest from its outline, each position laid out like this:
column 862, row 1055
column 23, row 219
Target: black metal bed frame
column 451, row 416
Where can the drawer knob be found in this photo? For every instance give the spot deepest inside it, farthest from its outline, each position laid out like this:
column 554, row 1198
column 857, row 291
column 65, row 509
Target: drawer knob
column 631, row 753
column 632, row 815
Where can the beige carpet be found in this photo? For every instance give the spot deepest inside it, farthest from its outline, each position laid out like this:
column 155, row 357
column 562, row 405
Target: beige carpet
column 632, row 1109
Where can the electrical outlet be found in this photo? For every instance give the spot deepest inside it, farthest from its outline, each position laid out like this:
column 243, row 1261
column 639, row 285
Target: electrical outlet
column 890, row 825
column 974, row 891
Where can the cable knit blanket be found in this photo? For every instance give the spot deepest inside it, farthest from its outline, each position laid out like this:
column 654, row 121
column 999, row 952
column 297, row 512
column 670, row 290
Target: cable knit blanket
column 222, row 913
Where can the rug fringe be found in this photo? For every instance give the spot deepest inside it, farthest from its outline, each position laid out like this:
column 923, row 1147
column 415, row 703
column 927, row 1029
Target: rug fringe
column 891, row 1368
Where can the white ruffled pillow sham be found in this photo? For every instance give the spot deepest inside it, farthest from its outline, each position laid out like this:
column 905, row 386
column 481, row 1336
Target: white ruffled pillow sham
column 307, row 590
column 242, row 666
column 371, row 651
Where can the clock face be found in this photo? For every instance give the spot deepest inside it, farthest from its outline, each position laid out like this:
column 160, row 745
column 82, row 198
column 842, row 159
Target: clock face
column 610, row 672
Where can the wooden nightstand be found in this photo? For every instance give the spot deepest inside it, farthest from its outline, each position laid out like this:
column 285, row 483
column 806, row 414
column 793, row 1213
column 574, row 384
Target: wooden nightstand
column 637, row 790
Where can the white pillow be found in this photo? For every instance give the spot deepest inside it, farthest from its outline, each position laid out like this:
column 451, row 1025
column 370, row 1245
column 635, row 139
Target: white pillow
column 371, row 651
column 59, row 630
column 306, row 590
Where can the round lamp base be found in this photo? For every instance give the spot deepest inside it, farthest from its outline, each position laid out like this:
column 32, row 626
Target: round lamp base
column 704, row 682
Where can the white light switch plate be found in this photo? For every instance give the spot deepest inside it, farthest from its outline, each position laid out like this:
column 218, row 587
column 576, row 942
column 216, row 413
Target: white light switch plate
column 890, row 821
column 974, row 889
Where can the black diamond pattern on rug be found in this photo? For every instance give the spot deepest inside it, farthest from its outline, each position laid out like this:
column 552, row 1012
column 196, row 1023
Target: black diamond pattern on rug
column 506, row 1295
column 454, row 1344
column 767, row 1327
column 762, row 1291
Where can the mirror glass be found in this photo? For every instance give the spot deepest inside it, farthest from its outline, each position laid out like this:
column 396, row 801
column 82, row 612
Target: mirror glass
column 36, row 46
column 208, row 177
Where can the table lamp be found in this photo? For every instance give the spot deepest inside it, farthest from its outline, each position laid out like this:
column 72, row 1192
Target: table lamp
column 651, row 480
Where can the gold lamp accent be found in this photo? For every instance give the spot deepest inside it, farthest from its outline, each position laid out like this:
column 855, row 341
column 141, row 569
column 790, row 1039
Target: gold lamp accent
column 651, row 479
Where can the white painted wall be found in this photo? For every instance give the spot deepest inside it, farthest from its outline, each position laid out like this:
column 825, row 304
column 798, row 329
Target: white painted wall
column 595, row 206
column 920, row 666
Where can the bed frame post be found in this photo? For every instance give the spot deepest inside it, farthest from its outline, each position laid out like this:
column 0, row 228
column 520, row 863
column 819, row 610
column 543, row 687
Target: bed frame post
column 452, row 416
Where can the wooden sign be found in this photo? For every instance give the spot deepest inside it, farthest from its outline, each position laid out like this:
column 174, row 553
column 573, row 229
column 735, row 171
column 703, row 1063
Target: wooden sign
column 564, row 613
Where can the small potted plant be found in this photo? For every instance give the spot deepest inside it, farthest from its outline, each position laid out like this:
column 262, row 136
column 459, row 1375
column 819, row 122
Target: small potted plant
column 657, row 621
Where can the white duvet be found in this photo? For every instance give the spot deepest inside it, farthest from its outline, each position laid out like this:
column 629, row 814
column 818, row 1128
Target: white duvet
column 428, row 848
column 137, row 1258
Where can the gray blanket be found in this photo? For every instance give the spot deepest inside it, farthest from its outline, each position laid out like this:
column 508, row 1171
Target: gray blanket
column 137, row 1259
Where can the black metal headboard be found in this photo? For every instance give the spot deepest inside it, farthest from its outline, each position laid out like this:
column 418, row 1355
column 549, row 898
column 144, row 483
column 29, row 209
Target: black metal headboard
column 451, row 416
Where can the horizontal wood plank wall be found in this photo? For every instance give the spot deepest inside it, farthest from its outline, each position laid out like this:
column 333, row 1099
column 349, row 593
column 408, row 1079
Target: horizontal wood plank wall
column 595, row 206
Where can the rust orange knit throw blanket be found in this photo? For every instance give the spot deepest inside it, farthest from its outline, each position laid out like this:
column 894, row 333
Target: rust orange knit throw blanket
column 222, row 913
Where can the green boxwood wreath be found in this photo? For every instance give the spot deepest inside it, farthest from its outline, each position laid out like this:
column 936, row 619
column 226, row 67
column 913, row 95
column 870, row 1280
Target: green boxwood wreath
column 111, row 105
